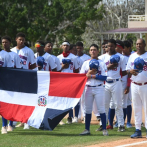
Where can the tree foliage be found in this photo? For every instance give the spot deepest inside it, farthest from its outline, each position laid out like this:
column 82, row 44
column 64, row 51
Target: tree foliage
column 53, row 20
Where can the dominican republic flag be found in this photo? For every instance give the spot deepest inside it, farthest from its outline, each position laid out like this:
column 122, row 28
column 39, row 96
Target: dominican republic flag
column 39, row 98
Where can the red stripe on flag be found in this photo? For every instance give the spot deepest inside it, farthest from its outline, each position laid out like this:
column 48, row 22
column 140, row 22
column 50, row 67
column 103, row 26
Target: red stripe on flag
column 67, row 84
column 16, row 112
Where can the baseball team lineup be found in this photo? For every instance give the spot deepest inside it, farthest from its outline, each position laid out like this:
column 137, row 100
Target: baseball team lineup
column 116, row 80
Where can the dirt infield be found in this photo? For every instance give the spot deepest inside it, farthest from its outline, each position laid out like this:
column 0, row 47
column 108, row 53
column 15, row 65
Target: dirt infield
column 123, row 143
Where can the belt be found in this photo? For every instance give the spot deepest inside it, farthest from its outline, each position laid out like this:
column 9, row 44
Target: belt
column 140, row 84
column 94, row 86
column 112, row 81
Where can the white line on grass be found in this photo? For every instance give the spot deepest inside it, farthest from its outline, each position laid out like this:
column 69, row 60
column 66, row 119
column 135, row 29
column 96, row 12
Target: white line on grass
column 132, row 144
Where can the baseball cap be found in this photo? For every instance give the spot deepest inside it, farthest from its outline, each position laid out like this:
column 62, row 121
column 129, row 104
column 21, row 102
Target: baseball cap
column 40, row 61
column 114, row 59
column 138, row 64
column 93, row 64
column 64, row 61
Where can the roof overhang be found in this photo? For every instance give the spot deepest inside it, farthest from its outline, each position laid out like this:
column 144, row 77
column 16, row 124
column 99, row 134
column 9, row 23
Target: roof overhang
column 125, row 31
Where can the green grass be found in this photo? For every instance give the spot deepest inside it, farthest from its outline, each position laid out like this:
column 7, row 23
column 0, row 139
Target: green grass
column 66, row 135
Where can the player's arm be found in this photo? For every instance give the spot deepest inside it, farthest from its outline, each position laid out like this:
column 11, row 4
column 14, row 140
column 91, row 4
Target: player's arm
column 32, row 66
column 52, row 64
column 76, row 66
column 102, row 77
column 32, row 60
column 129, row 69
column 58, row 64
column 127, row 89
column 112, row 66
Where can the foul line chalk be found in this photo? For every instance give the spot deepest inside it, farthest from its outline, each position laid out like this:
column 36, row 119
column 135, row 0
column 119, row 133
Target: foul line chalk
column 132, row 144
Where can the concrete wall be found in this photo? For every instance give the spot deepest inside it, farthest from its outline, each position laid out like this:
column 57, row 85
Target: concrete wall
column 137, row 24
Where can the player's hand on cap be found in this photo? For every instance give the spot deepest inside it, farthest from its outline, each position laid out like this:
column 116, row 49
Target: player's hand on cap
column 111, row 66
column 134, row 72
column 65, row 66
column 91, row 72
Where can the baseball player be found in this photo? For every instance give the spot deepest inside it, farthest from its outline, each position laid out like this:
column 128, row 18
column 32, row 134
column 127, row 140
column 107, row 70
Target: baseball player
column 69, row 64
column 27, row 58
column 83, row 57
column 48, row 48
column 119, row 49
column 113, row 86
column 5, row 61
column 96, row 73
column 137, row 67
column 48, row 60
column 6, row 42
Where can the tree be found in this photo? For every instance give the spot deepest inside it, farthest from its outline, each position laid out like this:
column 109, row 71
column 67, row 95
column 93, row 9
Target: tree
column 48, row 19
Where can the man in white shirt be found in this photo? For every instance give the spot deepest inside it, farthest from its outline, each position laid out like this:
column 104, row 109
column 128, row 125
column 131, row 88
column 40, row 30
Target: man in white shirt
column 113, row 85
column 69, row 64
column 49, row 64
column 5, row 61
column 48, row 49
column 137, row 67
column 94, row 90
column 27, row 58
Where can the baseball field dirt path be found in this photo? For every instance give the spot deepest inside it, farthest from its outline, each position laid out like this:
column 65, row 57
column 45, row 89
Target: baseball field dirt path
column 139, row 142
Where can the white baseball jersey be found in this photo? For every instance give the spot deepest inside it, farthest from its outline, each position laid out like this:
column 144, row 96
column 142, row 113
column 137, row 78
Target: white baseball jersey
column 82, row 59
column 101, row 70
column 124, row 78
column 141, row 77
column 72, row 66
column 115, row 73
column 57, row 62
column 48, row 62
column 5, row 59
column 26, row 55
column 15, row 60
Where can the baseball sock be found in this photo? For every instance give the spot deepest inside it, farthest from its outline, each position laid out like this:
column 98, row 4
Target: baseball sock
column 125, row 112
column 129, row 113
column 71, row 113
column 11, row 123
column 87, row 121
column 112, row 114
column 77, row 107
column 4, row 121
column 103, row 119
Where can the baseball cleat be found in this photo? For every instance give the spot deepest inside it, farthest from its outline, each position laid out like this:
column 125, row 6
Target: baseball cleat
column 129, row 125
column 109, row 127
column 105, row 133
column 3, row 130
column 61, row 123
column 99, row 129
column 98, row 118
column 137, row 134
column 121, row 129
column 10, row 128
column 69, row 120
column 75, row 120
column 142, row 125
column 26, row 126
column 116, row 125
column 85, row 132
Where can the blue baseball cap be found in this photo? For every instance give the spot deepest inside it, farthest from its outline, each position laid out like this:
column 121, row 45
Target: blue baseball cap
column 93, row 64
column 64, row 61
column 138, row 64
column 40, row 61
column 114, row 59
